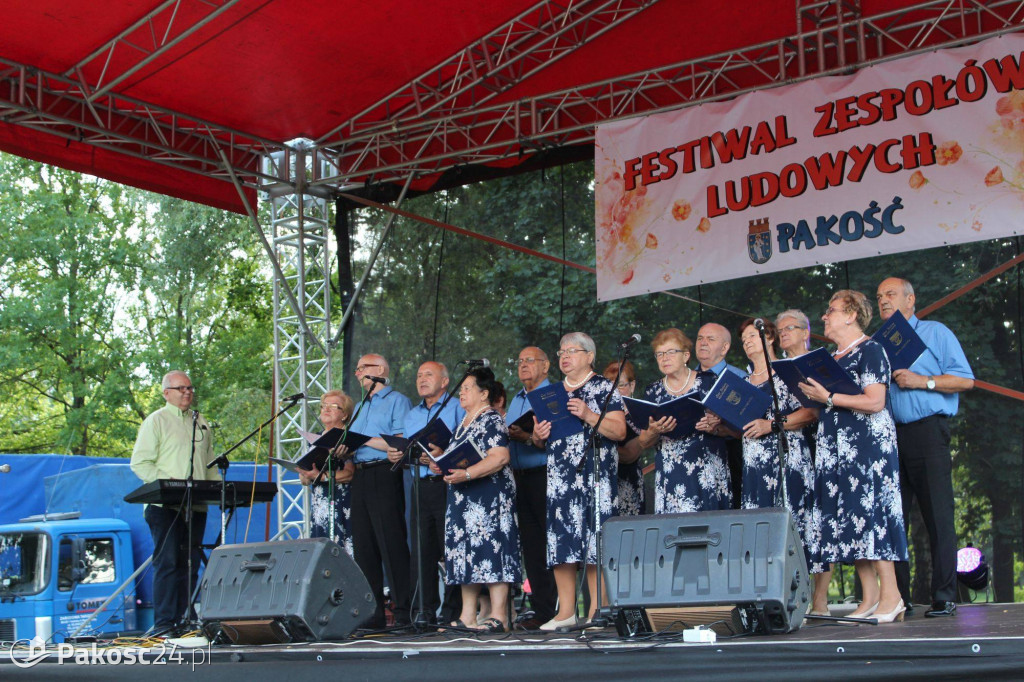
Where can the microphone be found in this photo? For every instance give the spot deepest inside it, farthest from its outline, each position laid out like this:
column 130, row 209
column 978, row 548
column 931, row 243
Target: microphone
column 379, row 380
column 5, row 468
column 481, row 362
column 295, row 398
column 759, row 324
column 633, row 340
column 195, row 416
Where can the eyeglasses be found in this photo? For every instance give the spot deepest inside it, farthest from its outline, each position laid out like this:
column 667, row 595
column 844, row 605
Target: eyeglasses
column 570, row 352
column 835, row 310
column 181, row 389
column 528, row 361
column 329, row 406
column 362, row 368
column 791, row 327
column 659, row 354
column 626, row 384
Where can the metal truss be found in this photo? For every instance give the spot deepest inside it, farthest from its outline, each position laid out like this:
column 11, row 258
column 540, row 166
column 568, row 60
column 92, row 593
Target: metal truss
column 493, row 64
column 143, row 42
column 834, row 39
column 62, row 106
column 300, row 230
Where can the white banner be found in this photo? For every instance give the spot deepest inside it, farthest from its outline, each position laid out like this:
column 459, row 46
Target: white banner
column 911, row 154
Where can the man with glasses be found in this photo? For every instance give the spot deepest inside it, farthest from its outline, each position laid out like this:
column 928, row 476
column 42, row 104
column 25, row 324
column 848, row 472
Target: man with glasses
column 426, row 523
column 378, row 497
column 163, row 449
column 529, row 465
column 923, row 398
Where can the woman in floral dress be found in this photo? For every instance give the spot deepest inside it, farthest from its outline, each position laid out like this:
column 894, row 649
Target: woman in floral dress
column 857, row 487
column 481, row 534
column 761, row 443
column 571, row 540
column 690, row 473
column 631, row 476
column 335, row 410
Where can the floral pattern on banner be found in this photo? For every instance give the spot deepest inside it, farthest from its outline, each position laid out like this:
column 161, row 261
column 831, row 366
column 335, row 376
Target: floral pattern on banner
column 570, row 501
column 691, row 473
column 761, row 467
column 481, row 533
column 858, row 513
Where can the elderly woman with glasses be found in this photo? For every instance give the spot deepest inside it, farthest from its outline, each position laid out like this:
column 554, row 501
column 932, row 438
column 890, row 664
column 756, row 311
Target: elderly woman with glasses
column 570, row 492
column 631, row 477
column 335, row 410
column 857, row 487
column 481, row 533
column 690, row 471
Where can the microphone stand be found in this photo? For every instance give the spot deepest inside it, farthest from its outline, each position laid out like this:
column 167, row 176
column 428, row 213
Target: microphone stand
column 190, row 481
column 222, row 462
column 600, row 619
column 778, row 426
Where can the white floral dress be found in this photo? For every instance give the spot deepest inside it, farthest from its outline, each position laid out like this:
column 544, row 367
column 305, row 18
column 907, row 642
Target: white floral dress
column 481, row 533
column 858, row 513
column 570, row 501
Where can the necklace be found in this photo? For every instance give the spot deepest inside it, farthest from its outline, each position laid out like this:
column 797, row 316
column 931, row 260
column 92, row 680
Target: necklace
column 757, row 374
column 855, row 342
column 464, row 426
column 573, row 386
column 682, row 388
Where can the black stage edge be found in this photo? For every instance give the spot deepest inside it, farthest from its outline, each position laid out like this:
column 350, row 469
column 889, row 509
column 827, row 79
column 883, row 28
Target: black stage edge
column 983, row 642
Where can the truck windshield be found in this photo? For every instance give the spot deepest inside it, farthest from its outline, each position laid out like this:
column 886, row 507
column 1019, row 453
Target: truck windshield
column 24, row 563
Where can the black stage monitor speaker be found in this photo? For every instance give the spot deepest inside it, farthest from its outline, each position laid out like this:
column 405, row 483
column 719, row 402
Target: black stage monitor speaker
column 750, row 559
column 289, row 591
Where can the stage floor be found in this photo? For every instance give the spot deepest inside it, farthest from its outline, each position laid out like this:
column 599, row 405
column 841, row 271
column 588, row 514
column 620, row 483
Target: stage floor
column 983, row 641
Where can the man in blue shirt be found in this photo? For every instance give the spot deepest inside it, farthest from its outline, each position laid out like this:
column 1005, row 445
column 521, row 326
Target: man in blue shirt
column 711, row 347
column 426, row 523
column 530, row 467
column 922, row 399
column 378, row 499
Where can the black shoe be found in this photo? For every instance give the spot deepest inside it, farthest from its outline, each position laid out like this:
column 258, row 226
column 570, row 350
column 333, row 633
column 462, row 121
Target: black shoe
column 941, row 609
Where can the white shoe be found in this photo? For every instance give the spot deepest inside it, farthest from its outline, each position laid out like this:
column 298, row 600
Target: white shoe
column 554, row 623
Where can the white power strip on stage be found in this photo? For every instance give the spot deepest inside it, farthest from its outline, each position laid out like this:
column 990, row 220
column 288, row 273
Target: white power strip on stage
column 700, row 636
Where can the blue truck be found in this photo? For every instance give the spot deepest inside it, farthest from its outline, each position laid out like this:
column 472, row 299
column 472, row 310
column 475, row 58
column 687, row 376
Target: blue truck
column 57, row 569
column 73, row 544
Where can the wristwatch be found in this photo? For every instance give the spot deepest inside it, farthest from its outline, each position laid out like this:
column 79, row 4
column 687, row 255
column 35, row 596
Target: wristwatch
column 468, row 477
column 828, row 403
column 930, row 383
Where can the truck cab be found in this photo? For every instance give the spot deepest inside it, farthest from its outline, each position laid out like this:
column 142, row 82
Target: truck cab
column 57, row 569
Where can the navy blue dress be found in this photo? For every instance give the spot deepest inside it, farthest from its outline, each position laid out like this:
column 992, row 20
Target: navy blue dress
column 320, row 513
column 691, row 473
column 481, row 534
column 858, row 512
column 631, row 485
column 761, row 467
column 570, row 499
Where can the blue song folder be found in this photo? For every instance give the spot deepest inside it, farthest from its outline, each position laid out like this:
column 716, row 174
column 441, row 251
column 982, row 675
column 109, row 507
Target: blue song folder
column 900, row 341
column 551, row 403
column 820, row 365
column 736, row 400
column 687, row 409
column 464, row 455
column 322, row 447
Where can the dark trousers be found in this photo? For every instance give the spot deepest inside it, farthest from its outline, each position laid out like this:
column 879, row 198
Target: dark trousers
column 170, row 561
column 429, row 520
column 378, row 536
column 926, row 472
column 531, row 505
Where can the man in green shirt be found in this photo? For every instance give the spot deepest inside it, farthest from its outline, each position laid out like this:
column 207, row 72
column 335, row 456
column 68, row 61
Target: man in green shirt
column 162, row 450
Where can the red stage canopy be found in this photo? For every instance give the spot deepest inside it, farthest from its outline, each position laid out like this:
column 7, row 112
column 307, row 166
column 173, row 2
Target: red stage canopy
column 150, row 93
